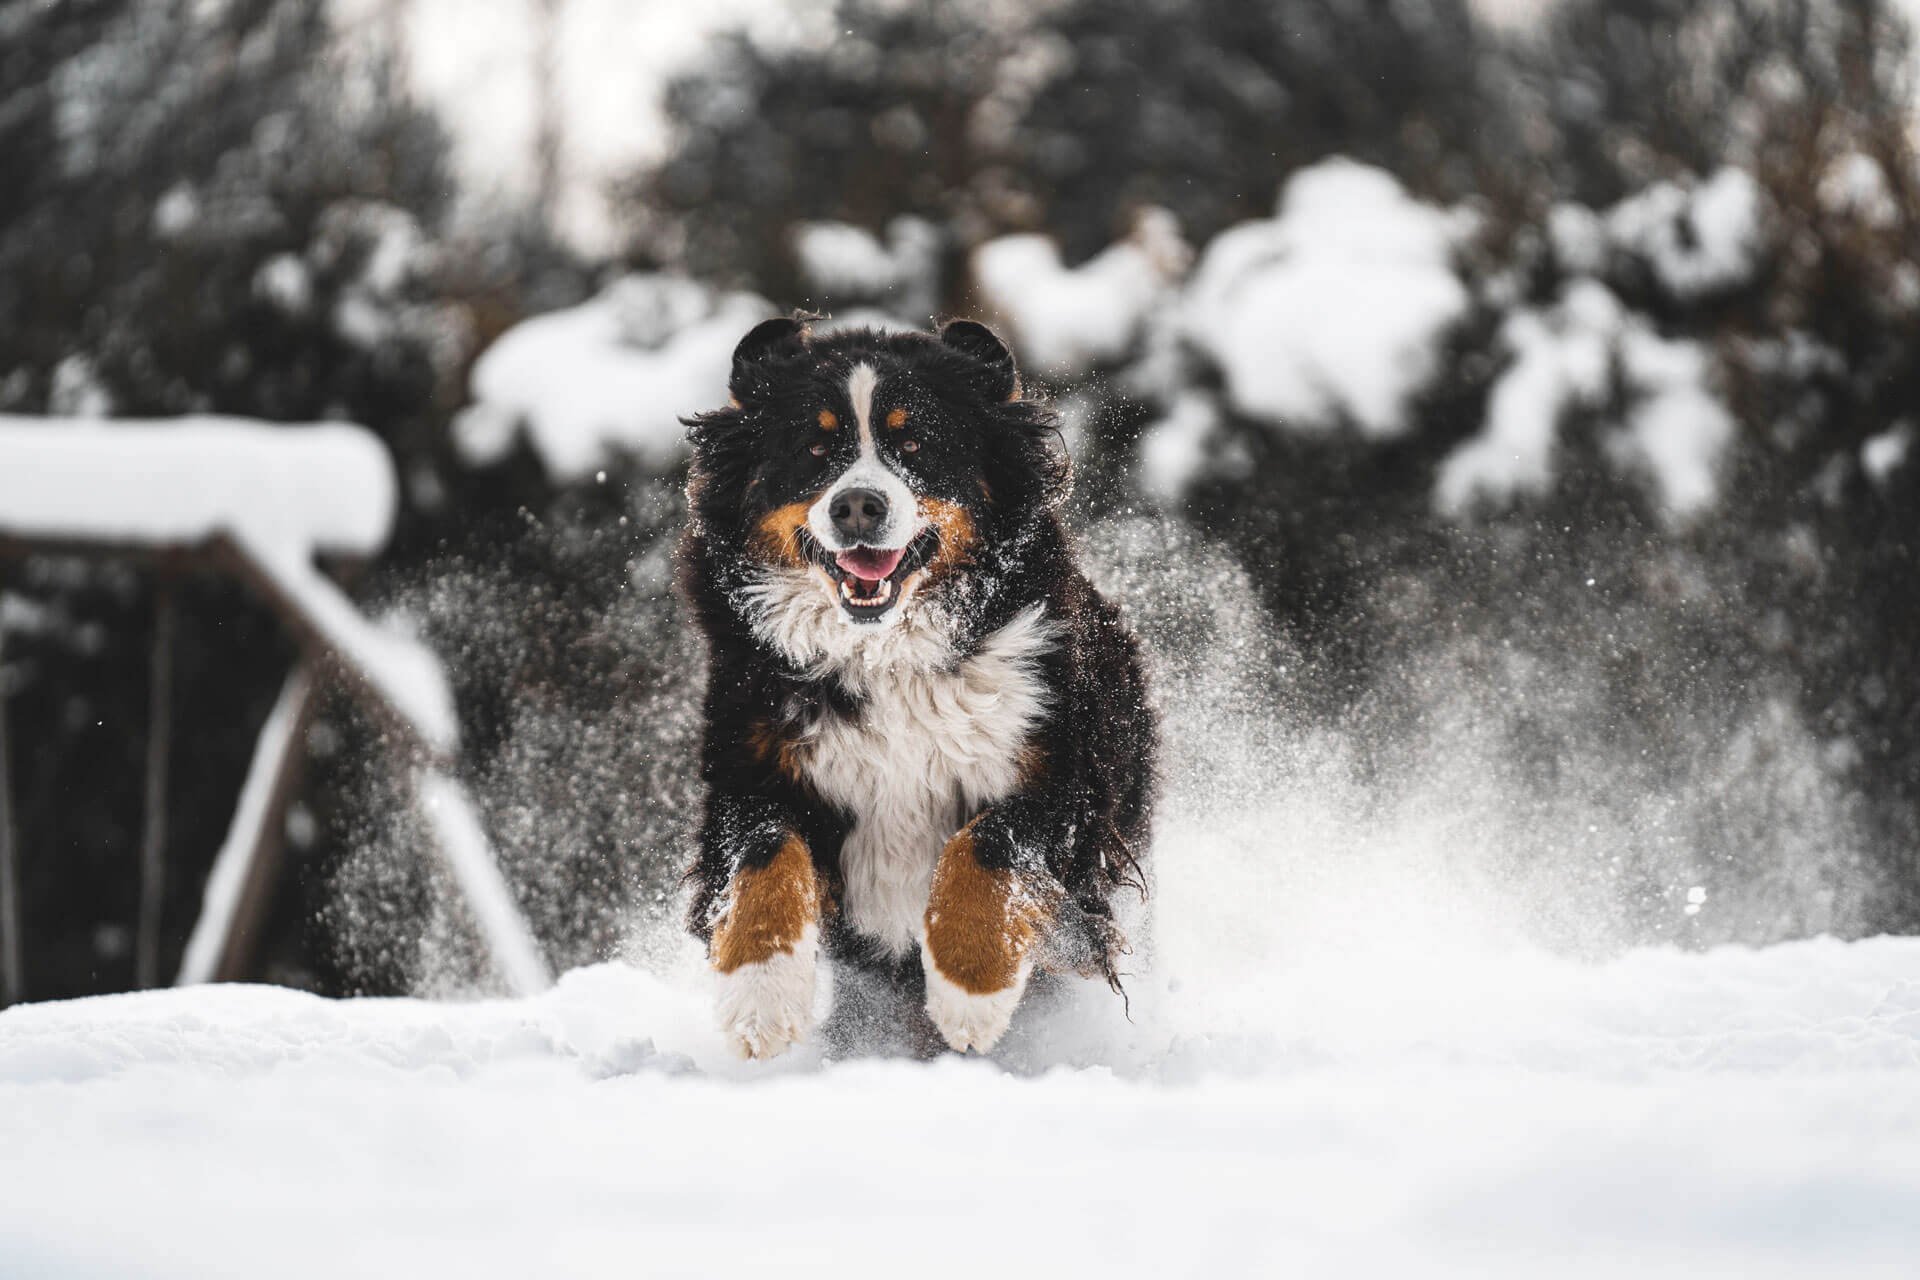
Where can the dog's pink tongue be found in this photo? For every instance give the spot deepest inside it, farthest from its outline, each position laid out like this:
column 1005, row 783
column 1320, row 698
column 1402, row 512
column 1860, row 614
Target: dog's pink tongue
column 869, row 564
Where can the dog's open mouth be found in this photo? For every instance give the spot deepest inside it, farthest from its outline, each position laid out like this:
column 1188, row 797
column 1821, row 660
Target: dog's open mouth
column 870, row 581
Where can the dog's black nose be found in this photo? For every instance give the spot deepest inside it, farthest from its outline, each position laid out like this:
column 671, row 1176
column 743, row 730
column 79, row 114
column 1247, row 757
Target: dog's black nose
column 857, row 514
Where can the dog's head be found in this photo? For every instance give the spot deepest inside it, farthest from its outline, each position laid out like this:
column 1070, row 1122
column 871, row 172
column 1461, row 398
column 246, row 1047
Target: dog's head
column 876, row 466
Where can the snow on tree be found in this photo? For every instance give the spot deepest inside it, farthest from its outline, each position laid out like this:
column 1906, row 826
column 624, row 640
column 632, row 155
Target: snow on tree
column 1068, row 321
column 1334, row 311
column 614, row 374
column 1581, row 353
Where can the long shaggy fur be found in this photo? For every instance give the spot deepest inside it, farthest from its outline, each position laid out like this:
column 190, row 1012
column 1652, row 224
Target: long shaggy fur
column 991, row 692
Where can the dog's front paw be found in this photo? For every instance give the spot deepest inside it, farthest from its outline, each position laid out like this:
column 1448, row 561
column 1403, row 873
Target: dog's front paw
column 767, row 1006
column 966, row 1019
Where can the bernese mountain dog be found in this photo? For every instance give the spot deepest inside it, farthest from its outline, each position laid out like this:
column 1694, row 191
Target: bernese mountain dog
column 929, row 755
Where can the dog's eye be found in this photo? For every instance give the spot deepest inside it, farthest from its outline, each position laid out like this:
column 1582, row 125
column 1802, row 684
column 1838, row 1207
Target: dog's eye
column 909, row 446
column 818, row 451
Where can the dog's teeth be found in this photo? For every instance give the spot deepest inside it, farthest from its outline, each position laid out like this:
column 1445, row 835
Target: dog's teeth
column 882, row 592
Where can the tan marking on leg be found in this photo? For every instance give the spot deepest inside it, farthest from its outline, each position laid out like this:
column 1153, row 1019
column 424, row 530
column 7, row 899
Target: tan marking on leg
column 768, row 909
column 777, row 536
column 982, row 924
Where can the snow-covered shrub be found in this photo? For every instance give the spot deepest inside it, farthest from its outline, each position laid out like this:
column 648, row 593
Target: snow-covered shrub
column 1582, row 354
column 1068, row 321
column 1694, row 242
column 1059, row 119
column 611, row 376
column 1333, row 312
column 842, row 266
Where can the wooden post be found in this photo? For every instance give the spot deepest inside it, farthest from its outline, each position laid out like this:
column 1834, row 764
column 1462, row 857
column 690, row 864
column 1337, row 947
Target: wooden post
column 12, row 979
column 153, row 845
column 240, row 885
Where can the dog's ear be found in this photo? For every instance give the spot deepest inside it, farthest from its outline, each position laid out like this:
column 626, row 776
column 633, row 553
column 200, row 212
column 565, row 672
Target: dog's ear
column 765, row 343
column 996, row 379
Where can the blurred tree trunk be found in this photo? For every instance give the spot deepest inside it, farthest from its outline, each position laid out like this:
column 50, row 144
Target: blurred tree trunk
column 549, row 131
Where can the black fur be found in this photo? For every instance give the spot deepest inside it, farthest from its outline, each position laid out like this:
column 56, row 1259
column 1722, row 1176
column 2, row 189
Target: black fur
column 988, row 449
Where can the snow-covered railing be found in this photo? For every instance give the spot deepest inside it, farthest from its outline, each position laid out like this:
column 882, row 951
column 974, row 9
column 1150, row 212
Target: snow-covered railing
column 259, row 502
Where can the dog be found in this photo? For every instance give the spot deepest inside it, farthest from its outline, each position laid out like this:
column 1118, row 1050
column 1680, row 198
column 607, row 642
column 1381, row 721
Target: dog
column 929, row 752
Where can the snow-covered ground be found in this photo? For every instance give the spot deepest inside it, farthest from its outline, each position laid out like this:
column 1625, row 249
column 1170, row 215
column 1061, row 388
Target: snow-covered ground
column 1734, row 1113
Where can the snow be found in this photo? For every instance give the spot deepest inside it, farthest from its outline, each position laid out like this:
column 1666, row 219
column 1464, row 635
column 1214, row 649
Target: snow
column 614, row 373
column 328, row 487
column 401, row 672
column 1067, row 320
column 77, row 391
column 1698, row 240
column 1579, row 238
column 1854, row 185
column 1752, row 1113
column 467, row 854
column 1887, row 452
column 842, row 261
column 1336, row 308
column 1678, row 429
column 1565, row 357
column 284, row 281
column 1173, row 449
column 176, row 212
column 1560, row 357
column 837, row 256
column 391, row 247
column 1511, row 17
column 386, row 250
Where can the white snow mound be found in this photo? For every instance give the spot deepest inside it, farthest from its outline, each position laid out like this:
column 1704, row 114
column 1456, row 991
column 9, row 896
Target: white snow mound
column 1698, row 240
column 1751, row 1113
column 1067, row 320
column 615, row 372
column 1674, row 428
column 1336, row 308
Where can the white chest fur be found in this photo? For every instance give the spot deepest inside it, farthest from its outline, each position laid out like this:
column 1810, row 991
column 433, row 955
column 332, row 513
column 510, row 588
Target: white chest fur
column 931, row 748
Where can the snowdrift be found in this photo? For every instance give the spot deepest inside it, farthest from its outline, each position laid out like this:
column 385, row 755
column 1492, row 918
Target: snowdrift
column 1738, row 1112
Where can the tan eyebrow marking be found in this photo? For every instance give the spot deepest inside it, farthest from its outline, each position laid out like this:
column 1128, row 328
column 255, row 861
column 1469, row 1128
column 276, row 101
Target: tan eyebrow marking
column 827, row 420
column 897, row 418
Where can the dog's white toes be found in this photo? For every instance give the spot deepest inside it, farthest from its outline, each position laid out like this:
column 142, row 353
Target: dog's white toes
column 967, row 1020
column 766, row 1007
column 754, row 1038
